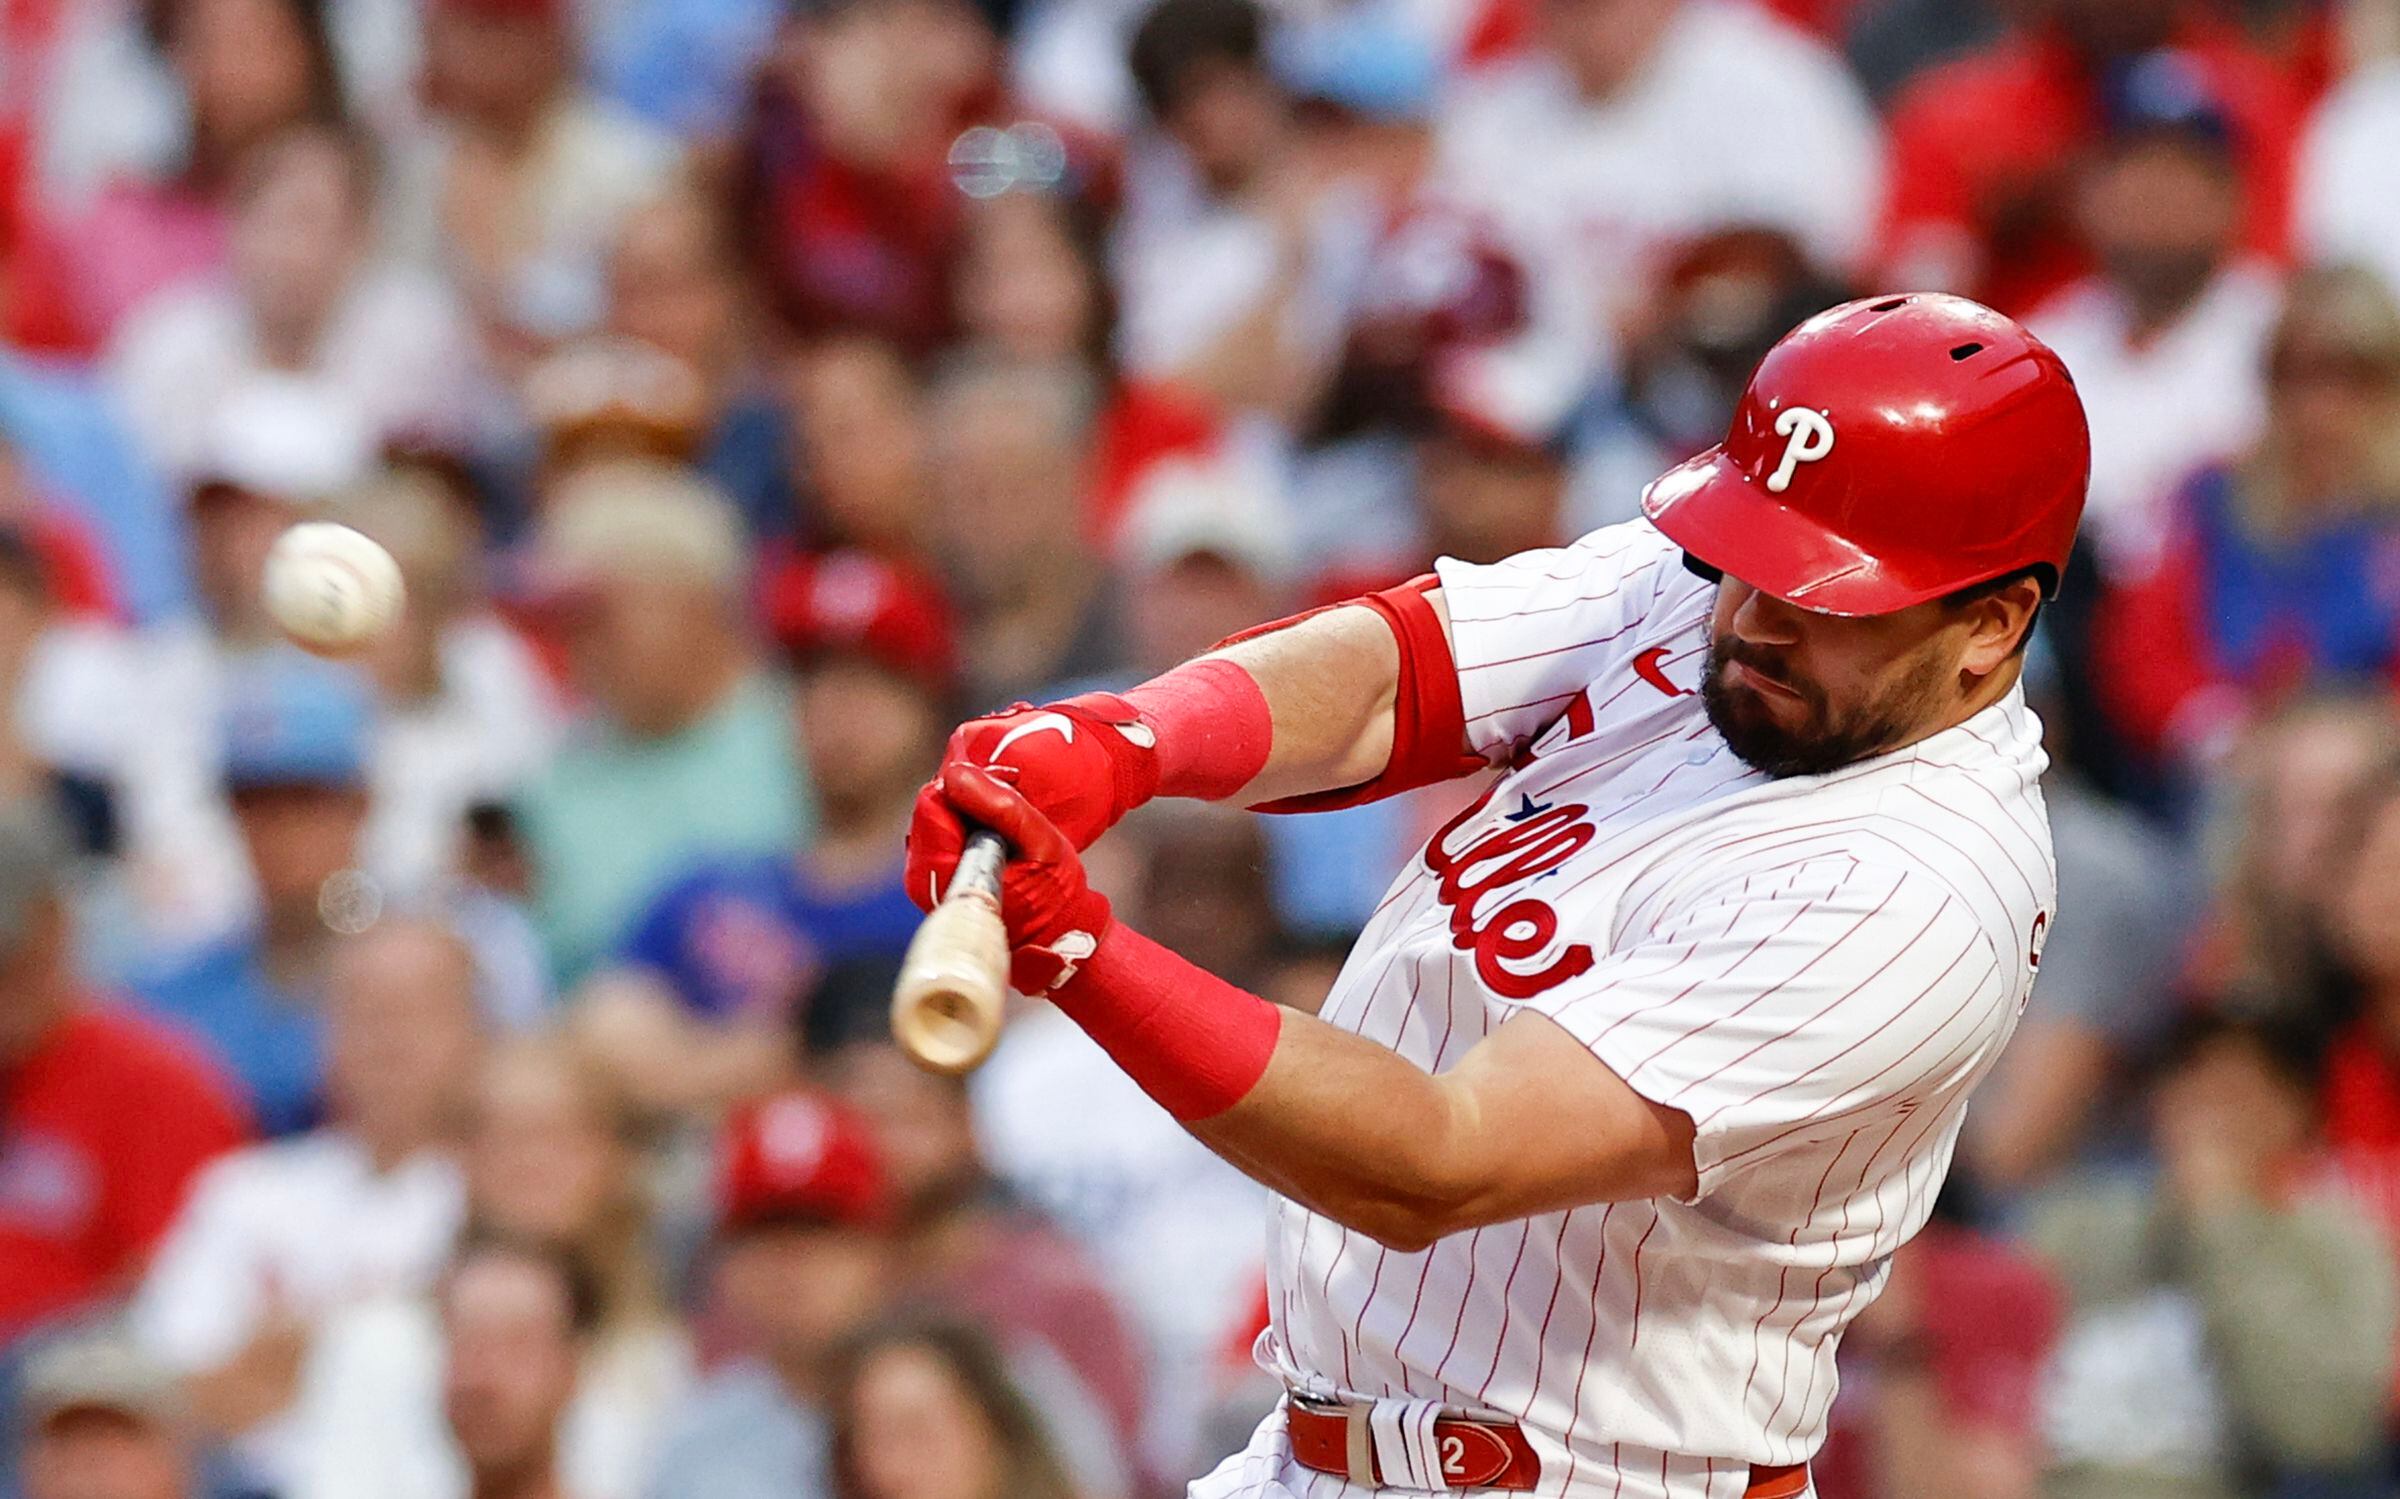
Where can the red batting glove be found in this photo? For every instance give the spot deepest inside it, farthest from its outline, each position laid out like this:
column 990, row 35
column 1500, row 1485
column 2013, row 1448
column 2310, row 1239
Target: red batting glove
column 1055, row 920
column 1083, row 763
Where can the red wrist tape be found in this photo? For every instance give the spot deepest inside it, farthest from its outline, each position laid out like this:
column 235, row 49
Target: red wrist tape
column 1194, row 1042
column 1212, row 725
column 1429, row 719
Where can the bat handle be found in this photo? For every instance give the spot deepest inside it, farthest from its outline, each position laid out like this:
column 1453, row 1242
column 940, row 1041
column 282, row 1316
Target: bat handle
column 953, row 988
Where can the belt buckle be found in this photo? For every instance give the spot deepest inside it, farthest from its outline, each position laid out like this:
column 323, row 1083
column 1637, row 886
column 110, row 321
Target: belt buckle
column 1358, row 1439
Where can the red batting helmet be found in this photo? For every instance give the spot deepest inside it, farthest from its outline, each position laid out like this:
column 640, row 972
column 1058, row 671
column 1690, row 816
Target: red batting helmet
column 1888, row 452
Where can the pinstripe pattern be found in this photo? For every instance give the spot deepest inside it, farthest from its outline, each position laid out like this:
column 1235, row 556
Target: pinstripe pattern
column 1817, row 971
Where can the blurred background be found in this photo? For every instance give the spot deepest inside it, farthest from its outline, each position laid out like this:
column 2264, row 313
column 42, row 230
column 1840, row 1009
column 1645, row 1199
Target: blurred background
column 464, row 1071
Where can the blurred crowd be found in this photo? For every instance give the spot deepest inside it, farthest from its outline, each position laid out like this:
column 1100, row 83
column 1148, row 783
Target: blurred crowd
column 462, row 1072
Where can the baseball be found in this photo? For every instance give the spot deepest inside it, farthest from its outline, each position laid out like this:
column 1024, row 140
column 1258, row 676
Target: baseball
column 329, row 587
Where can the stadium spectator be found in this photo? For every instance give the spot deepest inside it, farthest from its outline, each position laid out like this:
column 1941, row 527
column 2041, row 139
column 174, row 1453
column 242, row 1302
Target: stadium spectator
column 519, row 182
column 2288, row 795
column 802, row 1261
column 95, row 1095
column 2229, row 1330
column 64, row 676
column 965, row 1244
column 516, row 1319
column 553, row 1160
column 675, row 284
column 2362, row 987
column 36, row 312
column 608, row 398
column 843, row 188
column 1009, row 459
column 1205, row 881
column 683, row 66
column 926, row 1411
column 1723, row 300
column 307, row 299
column 1983, row 147
column 296, row 735
column 2113, row 969
column 151, row 202
column 2166, row 339
column 1447, row 296
column 1491, row 475
column 275, row 449
column 1032, row 288
column 278, row 1238
column 711, row 991
column 1941, row 1374
column 685, row 752
column 467, row 715
column 1203, row 557
column 1231, row 250
column 864, row 447
column 2342, row 213
column 103, row 1422
column 2269, row 575
column 1638, row 125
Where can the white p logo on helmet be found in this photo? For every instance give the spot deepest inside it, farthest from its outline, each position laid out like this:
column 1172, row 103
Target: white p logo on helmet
column 1808, row 436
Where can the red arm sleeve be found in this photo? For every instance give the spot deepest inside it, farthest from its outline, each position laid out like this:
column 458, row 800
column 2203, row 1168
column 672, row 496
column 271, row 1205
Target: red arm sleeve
column 1429, row 728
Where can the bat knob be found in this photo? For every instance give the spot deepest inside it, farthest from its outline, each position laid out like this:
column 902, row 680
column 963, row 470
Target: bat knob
column 952, row 1031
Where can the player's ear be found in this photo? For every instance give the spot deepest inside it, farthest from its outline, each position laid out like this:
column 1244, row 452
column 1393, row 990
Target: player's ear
column 1998, row 624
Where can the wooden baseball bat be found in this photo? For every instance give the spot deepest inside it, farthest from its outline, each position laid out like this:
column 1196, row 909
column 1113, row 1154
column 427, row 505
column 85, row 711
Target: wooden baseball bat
column 947, row 1006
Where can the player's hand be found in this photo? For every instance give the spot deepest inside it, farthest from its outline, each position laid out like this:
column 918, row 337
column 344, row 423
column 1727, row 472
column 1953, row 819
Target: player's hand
column 1055, row 919
column 1083, row 763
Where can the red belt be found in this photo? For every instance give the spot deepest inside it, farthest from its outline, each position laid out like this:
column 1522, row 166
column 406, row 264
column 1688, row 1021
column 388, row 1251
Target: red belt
column 1330, row 1438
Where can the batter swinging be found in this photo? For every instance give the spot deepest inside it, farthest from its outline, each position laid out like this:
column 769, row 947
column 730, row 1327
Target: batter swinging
column 1655, row 1054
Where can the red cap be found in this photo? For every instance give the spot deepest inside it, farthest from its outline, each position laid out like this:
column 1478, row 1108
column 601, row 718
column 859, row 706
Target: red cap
column 1887, row 452
column 853, row 602
column 798, row 1158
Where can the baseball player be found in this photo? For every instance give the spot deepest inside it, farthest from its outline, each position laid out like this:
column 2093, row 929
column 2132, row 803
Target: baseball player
column 1653, row 1056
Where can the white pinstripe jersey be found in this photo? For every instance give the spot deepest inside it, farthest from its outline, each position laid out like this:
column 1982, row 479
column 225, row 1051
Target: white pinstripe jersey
column 1816, row 969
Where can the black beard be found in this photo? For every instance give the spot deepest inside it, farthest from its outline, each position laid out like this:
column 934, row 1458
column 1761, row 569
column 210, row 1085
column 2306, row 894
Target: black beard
column 1826, row 743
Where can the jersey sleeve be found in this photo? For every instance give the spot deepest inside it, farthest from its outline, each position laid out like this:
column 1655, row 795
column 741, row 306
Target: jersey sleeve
column 1529, row 633
column 1795, row 1004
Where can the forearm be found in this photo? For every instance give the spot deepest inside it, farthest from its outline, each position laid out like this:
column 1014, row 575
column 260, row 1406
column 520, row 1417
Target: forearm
column 1338, row 706
column 1352, row 1130
column 1345, row 705
column 1330, row 682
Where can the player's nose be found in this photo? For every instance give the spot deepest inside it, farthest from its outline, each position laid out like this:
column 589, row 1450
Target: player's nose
column 1762, row 619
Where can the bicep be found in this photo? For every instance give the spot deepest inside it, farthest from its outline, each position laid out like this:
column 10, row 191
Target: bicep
column 1540, row 1124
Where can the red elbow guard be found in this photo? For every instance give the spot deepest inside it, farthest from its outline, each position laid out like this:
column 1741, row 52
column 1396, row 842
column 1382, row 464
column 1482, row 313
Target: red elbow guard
column 1429, row 722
